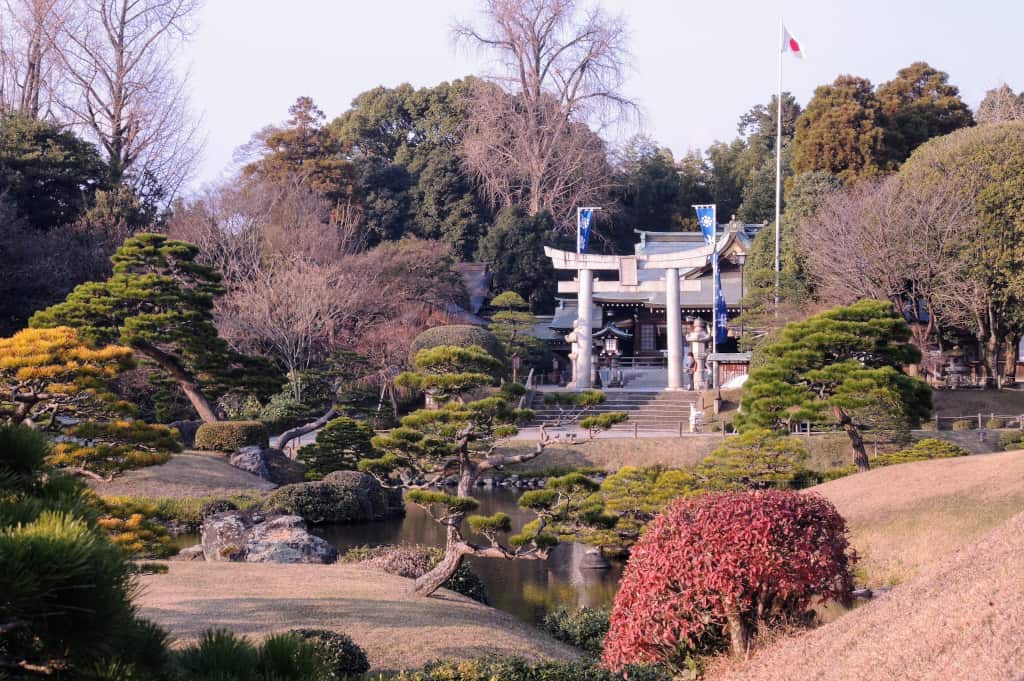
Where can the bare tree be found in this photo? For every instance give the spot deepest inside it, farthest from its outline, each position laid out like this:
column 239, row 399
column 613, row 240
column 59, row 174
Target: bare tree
column 528, row 139
column 899, row 241
column 31, row 71
column 119, row 56
column 1001, row 104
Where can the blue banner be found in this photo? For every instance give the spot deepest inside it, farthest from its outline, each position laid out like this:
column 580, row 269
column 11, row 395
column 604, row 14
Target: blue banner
column 721, row 311
column 583, row 229
column 706, row 220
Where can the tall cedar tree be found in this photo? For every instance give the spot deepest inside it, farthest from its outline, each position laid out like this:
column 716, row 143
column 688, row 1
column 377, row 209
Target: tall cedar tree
column 460, row 439
column 159, row 302
column 831, row 368
column 843, row 131
column 920, row 103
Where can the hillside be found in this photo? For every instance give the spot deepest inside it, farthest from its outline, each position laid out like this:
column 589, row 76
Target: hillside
column 961, row 618
column 953, row 530
column 905, row 517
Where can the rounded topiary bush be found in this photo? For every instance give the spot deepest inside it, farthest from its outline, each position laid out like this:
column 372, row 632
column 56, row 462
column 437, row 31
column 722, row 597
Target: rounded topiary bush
column 923, row 450
column 712, row 571
column 229, row 436
column 341, row 497
column 339, row 653
column 995, row 423
column 963, row 424
column 461, row 335
column 1011, row 440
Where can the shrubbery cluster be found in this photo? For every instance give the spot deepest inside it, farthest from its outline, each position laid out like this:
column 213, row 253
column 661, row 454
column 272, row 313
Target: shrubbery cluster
column 341, row 497
column 229, row 436
column 518, row 669
column 340, row 445
column 584, row 628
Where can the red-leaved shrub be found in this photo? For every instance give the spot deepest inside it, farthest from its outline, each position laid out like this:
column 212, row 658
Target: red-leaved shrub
column 718, row 568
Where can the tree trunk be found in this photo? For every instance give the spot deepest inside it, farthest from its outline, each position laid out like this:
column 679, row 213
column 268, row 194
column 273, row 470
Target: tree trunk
column 185, row 380
column 289, row 435
column 436, row 578
column 739, row 636
column 860, row 454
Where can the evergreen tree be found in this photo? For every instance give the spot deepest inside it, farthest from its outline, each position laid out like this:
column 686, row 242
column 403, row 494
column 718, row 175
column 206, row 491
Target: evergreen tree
column 513, row 326
column 843, row 131
column 514, row 248
column 999, row 105
column 47, row 171
column 919, row 103
column 159, row 302
column 830, row 368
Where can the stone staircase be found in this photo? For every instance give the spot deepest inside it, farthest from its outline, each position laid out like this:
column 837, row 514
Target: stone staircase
column 648, row 410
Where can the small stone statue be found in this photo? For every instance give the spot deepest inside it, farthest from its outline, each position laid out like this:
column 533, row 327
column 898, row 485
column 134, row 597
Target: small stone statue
column 573, row 339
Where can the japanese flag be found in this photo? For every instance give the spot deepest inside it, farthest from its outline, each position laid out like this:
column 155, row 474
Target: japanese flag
column 791, row 44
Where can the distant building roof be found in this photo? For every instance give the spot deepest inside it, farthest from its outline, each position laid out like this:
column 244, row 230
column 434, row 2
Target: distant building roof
column 566, row 313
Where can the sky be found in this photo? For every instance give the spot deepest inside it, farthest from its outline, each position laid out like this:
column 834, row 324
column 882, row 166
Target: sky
column 696, row 66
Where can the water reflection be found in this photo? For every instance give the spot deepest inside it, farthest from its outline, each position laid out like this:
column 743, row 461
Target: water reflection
column 526, row 588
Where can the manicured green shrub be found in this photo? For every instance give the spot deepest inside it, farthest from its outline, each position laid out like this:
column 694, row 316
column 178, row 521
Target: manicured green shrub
column 1011, row 440
column 289, row 657
column 518, row 669
column 341, row 497
column 462, row 335
column 963, row 424
column 413, row 561
column 584, row 628
column 928, row 425
column 229, row 436
column 340, row 445
column 340, row 655
column 923, row 450
column 219, row 654
column 995, row 423
column 756, row 459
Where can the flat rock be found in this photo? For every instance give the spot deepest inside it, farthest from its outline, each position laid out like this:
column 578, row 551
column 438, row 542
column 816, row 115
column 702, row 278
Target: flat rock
column 234, row 536
column 251, row 460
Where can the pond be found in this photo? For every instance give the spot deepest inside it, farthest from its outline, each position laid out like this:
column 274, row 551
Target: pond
column 529, row 589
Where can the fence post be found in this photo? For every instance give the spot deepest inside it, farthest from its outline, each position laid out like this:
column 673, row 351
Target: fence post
column 979, row 421
column 936, row 422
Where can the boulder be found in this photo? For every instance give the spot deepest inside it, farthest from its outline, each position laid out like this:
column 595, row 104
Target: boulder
column 284, row 539
column 251, row 460
column 191, row 553
column 253, row 538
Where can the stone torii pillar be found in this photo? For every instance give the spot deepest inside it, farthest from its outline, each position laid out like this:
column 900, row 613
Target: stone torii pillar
column 674, row 328
column 585, row 305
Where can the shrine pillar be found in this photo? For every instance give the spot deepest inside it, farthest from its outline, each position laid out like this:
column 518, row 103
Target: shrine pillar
column 674, row 329
column 585, row 304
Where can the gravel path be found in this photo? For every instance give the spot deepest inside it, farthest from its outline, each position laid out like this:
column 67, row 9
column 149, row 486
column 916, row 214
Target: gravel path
column 397, row 631
column 185, row 475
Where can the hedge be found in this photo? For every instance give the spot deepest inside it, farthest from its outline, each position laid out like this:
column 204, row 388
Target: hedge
column 341, row 497
column 461, row 335
column 230, row 436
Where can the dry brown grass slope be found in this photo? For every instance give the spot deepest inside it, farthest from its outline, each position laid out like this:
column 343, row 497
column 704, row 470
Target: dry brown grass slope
column 398, row 631
column 961, row 619
column 905, row 517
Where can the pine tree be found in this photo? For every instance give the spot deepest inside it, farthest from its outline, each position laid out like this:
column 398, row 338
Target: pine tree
column 513, row 326
column 830, row 368
column 159, row 302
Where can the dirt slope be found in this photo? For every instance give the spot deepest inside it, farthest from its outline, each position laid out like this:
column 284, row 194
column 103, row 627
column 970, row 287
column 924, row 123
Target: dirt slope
column 396, row 630
column 905, row 517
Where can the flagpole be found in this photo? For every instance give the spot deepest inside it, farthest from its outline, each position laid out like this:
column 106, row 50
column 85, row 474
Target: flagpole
column 778, row 166
column 714, row 288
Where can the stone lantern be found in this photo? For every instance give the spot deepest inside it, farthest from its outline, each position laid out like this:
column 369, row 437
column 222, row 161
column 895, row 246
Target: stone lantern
column 698, row 340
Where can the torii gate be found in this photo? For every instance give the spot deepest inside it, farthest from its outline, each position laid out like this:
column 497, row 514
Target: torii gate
column 627, row 267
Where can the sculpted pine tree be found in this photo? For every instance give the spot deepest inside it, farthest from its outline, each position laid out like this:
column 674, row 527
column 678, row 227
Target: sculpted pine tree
column 831, row 368
column 460, row 440
column 159, row 302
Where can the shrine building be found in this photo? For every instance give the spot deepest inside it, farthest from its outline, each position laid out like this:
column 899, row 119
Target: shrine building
column 639, row 321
